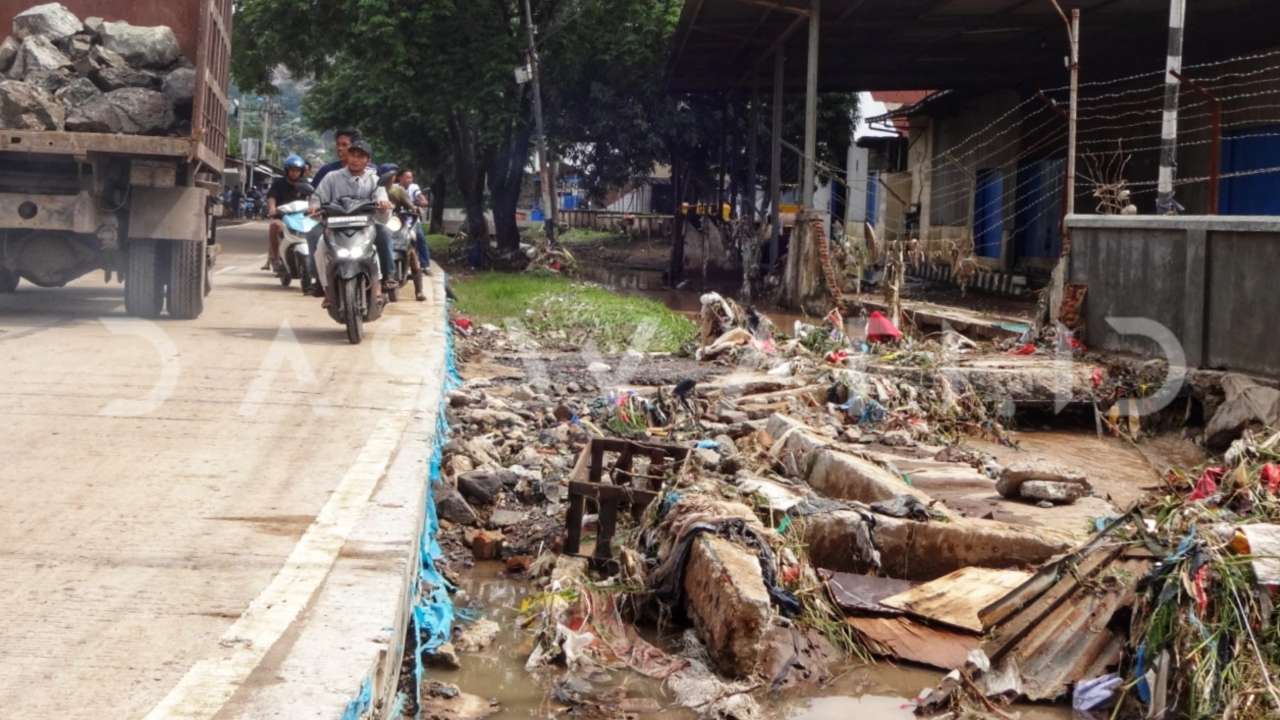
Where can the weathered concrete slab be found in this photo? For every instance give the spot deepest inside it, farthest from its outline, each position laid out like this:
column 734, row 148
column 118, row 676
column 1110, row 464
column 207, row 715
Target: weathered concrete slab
column 927, row 550
column 728, row 602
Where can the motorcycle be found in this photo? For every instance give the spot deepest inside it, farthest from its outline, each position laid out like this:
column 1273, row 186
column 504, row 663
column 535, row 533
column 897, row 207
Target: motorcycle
column 291, row 263
column 404, row 232
column 347, row 261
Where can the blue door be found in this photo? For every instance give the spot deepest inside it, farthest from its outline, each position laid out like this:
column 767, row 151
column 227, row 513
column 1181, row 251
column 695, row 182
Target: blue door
column 1251, row 149
column 1038, row 209
column 873, row 197
column 988, row 214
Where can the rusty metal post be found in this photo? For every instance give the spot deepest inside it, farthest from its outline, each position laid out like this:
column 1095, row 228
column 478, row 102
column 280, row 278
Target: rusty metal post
column 1058, row 282
column 753, row 152
column 775, row 158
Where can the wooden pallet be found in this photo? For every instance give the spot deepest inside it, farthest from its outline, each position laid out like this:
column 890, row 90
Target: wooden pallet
column 615, row 475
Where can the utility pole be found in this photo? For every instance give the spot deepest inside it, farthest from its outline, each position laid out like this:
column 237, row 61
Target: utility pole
column 544, row 168
column 811, row 106
column 1058, row 280
column 266, row 130
column 1165, row 204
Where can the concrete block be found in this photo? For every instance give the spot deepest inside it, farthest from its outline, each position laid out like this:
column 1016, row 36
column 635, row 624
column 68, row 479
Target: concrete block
column 849, row 477
column 913, row 550
column 726, row 598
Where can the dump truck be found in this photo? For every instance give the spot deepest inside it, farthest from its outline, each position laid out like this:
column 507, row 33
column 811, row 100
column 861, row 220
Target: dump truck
column 141, row 208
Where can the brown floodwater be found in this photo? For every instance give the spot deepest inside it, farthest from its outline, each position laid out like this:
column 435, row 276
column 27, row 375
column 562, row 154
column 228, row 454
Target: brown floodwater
column 880, row 691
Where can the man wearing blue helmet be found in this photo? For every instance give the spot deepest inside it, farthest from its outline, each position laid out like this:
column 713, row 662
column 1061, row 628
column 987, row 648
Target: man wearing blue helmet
column 283, row 191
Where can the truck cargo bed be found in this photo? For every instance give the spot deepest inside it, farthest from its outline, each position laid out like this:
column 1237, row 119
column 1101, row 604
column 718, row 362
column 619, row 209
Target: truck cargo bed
column 52, row 142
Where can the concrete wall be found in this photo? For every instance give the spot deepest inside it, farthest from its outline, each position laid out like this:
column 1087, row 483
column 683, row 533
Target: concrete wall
column 1212, row 281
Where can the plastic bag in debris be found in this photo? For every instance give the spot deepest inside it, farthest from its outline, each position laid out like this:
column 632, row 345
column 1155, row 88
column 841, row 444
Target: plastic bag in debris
column 1095, row 693
column 903, row 506
column 881, row 329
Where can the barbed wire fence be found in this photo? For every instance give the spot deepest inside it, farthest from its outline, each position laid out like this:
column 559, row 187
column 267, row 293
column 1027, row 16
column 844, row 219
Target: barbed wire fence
column 996, row 192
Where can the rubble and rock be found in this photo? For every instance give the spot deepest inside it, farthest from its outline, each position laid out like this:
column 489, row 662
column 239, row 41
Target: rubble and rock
column 146, row 85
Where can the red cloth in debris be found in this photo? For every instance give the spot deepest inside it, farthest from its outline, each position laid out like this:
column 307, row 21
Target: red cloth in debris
column 1207, row 484
column 1271, row 476
column 462, row 324
column 1097, row 378
column 837, row 357
column 1028, row 349
column 1198, row 586
column 881, row 329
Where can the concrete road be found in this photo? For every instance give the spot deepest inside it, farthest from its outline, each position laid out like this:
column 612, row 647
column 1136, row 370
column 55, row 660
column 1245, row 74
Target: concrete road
column 211, row 518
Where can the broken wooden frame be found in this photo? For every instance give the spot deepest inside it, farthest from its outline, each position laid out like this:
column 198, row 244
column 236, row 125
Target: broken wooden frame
column 634, row 480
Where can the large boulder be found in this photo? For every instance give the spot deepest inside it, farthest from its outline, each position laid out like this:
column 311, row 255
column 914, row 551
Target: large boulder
column 9, row 50
column 482, row 486
column 144, row 112
column 26, row 107
column 115, row 78
column 1013, row 477
column 38, row 55
column 50, row 81
column 98, row 115
column 180, row 87
column 451, row 506
column 50, row 20
column 151, row 47
column 93, row 26
column 78, row 93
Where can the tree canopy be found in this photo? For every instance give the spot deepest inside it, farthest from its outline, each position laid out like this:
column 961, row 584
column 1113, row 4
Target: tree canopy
column 432, row 83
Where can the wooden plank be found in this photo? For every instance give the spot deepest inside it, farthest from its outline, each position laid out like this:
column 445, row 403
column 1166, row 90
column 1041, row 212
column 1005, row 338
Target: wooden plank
column 573, row 524
column 956, row 599
column 906, row 639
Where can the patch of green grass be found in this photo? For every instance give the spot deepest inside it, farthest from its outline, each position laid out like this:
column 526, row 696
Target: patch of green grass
column 573, row 313
column 438, row 245
column 583, row 236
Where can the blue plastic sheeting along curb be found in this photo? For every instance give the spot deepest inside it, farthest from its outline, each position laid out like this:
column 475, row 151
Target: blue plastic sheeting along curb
column 363, row 703
column 433, row 611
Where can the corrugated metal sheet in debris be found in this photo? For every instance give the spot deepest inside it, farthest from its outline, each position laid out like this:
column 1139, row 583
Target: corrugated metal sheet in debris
column 1072, row 637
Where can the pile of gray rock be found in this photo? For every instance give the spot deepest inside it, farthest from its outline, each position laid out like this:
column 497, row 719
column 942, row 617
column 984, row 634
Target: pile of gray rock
column 1043, row 483
column 59, row 73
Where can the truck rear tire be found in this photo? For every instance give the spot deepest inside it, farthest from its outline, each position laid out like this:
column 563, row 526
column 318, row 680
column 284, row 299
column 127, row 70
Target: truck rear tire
column 143, row 285
column 186, row 280
column 8, row 281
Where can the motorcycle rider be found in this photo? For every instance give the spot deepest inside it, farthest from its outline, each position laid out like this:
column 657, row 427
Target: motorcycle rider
column 341, row 141
column 283, row 191
column 419, row 200
column 357, row 180
column 388, row 174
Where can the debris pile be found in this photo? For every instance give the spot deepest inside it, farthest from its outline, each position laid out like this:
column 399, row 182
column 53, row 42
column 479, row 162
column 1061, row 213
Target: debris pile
column 780, row 505
column 1168, row 611
column 93, row 76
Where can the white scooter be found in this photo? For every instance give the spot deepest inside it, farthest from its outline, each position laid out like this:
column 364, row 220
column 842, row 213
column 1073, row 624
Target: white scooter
column 292, row 262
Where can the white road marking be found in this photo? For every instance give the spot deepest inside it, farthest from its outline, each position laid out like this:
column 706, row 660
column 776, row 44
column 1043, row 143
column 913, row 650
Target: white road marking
column 209, row 684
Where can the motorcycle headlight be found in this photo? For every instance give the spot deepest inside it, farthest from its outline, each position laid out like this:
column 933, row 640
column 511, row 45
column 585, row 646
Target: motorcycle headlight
column 344, row 253
column 302, row 248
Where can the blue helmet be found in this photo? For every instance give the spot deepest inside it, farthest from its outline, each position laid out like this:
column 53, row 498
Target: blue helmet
column 295, row 161
column 385, row 168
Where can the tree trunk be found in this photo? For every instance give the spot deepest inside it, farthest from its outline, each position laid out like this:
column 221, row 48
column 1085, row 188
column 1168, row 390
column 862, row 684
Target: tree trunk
column 506, row 179
column 471, row 180
column 439, row 187
column 676, row 271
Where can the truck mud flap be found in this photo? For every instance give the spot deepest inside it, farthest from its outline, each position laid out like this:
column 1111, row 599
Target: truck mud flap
column 173, row 213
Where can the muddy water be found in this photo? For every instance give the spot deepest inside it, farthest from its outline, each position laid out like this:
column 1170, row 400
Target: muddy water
column 876, row 692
